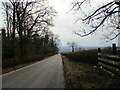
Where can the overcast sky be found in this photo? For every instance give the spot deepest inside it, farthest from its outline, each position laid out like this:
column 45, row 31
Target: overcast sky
column 64, row 25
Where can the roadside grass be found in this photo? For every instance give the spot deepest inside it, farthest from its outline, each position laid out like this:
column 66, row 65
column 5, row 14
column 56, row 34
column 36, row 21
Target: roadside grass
column 85, row 74
column 9, row 65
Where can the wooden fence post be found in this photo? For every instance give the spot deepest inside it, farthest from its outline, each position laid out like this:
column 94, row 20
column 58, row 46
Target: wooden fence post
column 99, row 50
column 114, row 50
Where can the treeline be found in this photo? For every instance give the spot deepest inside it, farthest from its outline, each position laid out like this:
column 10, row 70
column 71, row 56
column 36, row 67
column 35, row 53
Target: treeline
column 27, row 32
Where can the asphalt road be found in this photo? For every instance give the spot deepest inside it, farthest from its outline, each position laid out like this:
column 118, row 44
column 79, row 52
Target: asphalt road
column 44, row 74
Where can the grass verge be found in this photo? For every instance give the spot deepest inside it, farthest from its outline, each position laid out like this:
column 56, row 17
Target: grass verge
column 83, row 75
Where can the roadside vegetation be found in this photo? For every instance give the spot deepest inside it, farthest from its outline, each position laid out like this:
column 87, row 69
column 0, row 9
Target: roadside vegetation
column 81, row 71
column 108, row 50
column 84, row 56
column 27, row 36
column 14, row 64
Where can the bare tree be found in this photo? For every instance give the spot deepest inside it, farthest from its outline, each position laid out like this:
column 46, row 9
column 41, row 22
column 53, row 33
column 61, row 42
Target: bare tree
column 104, row 17
column 28, row 18
column 9, row 9
column 72, row 45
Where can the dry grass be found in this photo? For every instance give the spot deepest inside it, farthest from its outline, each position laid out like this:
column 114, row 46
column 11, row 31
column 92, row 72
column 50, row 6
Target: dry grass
column 81, row 75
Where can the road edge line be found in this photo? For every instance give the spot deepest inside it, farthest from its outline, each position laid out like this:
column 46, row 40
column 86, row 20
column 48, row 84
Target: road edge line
column 22, row 68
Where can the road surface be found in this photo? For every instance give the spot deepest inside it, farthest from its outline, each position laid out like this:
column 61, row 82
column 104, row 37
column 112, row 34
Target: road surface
column 44, row 74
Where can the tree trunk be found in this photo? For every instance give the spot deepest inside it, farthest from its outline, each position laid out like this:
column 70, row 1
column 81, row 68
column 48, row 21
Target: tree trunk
column 21, row 48
column 13, row 29
column 72, row 48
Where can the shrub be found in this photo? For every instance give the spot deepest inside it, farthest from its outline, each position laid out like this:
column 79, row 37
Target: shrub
column 85, row 56
column 7, row 63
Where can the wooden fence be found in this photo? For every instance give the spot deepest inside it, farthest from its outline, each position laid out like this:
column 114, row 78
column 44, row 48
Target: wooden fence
column 109, row 62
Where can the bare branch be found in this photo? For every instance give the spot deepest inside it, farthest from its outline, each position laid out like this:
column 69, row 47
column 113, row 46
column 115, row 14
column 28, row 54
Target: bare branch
column 97, row 11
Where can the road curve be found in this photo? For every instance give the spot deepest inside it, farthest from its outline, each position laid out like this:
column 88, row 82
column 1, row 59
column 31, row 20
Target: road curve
column 44, row 74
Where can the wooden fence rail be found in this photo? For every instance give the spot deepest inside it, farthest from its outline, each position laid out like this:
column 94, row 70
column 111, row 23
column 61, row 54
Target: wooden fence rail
column 110, row 63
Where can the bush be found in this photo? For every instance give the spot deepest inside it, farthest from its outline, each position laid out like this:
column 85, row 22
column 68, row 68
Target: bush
column 7, row 63
column 85, row 56
column 107, row 50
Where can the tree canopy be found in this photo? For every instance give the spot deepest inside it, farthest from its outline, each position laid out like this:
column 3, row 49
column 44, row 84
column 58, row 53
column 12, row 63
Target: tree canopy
column 105, row 17
column 27, row 28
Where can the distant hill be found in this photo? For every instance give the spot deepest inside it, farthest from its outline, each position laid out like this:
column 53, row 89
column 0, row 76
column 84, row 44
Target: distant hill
column 68, row 49
column 64, row 49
